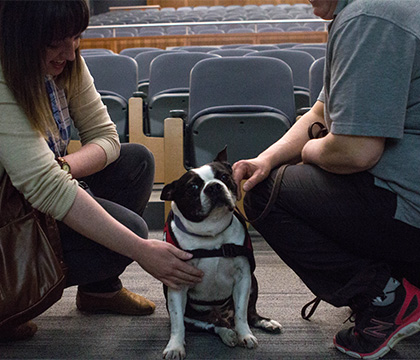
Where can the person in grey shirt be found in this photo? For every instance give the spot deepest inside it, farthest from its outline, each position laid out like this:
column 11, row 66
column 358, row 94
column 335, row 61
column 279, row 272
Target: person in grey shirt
column 347, row 217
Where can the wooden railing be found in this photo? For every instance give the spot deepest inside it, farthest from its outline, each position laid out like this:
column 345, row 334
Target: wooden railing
column 165, row 41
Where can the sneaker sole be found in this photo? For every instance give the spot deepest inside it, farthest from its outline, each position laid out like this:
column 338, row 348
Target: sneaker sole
column 401, row 334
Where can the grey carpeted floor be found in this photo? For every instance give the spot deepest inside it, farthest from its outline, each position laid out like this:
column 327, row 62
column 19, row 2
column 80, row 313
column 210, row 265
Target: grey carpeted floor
column 65, row 333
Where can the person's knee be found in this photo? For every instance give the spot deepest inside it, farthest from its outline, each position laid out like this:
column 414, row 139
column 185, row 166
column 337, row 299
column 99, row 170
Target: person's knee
column 136, row 224
column 138, row 153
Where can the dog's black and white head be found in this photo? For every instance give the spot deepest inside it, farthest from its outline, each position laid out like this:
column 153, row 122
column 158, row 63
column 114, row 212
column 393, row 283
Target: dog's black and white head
column 205, row 194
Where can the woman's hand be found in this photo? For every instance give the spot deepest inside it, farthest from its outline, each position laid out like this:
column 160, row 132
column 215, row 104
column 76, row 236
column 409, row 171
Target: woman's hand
column 255, row 170
column 168, row 264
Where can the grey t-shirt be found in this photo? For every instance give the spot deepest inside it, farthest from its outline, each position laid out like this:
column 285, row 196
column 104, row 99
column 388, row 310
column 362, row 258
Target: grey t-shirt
column 372, row 88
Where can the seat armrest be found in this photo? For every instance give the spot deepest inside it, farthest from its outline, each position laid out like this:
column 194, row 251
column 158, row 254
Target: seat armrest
column 178, row 113
column 140, row 94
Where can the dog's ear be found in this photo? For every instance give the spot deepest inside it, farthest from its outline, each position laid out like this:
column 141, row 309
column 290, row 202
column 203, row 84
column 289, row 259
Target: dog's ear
column 222, row 155
column 168, row 191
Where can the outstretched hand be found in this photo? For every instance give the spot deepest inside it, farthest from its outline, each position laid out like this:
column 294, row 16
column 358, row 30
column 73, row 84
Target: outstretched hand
column 253, row 170
column 168, row 264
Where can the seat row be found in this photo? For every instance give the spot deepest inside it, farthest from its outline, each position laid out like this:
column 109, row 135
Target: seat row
column 240, row 84
column 219, row 19
column 203, row 13
column 202, row 29
column 300, row 59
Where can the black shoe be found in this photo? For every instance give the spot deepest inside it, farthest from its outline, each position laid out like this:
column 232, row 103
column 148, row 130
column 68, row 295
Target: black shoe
column 375, row 333
column 22, row 332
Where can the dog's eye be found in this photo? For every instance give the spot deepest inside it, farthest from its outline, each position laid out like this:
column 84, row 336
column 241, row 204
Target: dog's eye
column 194, row 187
column 224, row 178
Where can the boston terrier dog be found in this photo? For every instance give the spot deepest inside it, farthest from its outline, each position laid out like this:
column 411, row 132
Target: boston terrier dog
column 203, row 221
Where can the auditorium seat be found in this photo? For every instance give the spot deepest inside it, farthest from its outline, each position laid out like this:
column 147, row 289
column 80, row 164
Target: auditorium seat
column 117, row 108
column 89, row 33
column 316, row 79
column 132, row 52
column 93, row 35
column 125, row 31
column 316, row 52
column 231, row 52
column 299, row 62
column 179, row 30
column 244, row 102
column 202, row 49
column 259, row 47
column 121, row 80
column 270, row 29
column 169, row 86
column 143, row 61
column 299, row 28
column 98, row 51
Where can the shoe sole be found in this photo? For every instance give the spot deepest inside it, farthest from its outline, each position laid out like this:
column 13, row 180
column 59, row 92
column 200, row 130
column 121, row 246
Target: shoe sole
column 114, row 311
column 401, row 334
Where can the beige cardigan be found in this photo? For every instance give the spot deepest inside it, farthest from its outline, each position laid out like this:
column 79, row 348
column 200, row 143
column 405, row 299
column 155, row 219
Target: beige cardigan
column 27, row 159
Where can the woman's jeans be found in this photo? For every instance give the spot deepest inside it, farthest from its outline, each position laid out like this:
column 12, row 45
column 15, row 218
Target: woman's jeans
column 337, row 232
column 123, row 189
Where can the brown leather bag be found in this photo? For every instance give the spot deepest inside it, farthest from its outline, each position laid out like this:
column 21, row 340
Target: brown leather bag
column 32, row 273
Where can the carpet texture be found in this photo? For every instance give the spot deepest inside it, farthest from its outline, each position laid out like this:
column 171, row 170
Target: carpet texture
column 65, row 333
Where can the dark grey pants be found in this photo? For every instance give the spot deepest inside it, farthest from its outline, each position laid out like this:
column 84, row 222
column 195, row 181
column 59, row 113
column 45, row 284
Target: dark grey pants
column 337, row 232
column 123, row 188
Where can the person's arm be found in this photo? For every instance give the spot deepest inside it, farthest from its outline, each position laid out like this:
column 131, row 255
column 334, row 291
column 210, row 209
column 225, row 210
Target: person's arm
column 344, row 154
column 88, row 160
column 27, row 159
column 162, row 260
column 98, row 133
column 285, row 151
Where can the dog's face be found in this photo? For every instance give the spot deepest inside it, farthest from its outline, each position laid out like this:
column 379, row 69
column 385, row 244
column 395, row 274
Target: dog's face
column 202, row 191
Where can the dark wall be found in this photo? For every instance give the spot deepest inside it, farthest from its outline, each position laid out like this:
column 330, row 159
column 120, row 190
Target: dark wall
column 102, row 6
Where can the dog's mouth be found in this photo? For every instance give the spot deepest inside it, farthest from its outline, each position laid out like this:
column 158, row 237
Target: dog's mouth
column 208, row 208
column 221, row 203
column 217, row 197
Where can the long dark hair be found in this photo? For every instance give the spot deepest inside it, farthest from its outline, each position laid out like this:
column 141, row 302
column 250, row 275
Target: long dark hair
column 27, row 28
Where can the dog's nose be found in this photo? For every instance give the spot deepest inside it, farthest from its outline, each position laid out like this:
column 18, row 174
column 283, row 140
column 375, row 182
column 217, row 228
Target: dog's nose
column 213, row 189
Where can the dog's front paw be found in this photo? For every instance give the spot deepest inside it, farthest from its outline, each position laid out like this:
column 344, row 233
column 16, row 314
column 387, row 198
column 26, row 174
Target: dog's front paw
column 249, row 341
column 228, row 336
column 174, row 351
column 269, row 325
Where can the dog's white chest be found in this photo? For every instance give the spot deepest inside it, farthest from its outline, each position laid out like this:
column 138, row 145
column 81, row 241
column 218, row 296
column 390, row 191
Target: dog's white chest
column 220, row 276
column 220, row 273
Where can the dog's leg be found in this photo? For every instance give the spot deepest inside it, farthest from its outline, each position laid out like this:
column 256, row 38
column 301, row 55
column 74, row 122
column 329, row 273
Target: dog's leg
column 228, row 336
column 241, row 292
column 175, row 350
column 254, row 319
